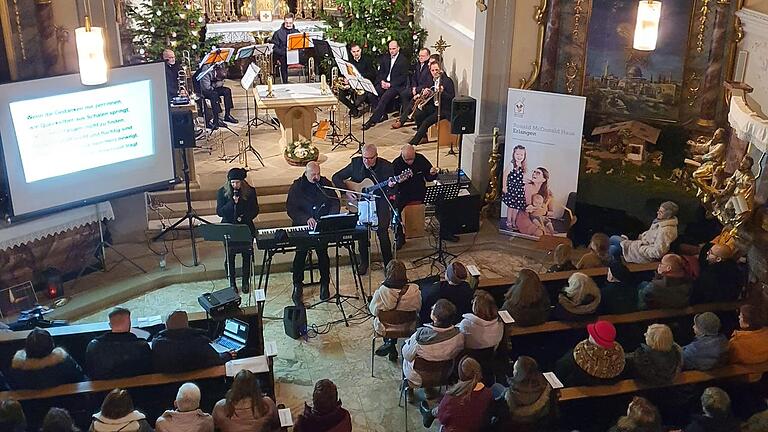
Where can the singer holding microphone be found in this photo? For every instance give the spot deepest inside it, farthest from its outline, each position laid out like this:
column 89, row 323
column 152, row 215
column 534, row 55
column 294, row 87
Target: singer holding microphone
column 307, row 202
column 237, row 203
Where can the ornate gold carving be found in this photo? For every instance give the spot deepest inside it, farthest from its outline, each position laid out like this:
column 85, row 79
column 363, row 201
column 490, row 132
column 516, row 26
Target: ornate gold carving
column 440, row 46
column 19, row 30
column 738, row 31
column 704, row 10
column 539, row 15
column 693, row 89
column 571, row 72
column 577, row 11
column 481, row 6
column 493, row 192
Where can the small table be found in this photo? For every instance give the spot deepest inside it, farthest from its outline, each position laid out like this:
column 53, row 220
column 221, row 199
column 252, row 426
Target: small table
column 294, row 105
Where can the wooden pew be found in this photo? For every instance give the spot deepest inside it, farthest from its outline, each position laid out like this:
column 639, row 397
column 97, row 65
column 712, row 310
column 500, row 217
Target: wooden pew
column 486, row 283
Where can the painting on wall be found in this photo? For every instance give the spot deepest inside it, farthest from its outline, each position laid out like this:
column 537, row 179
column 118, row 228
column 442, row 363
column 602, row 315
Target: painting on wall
column 624, row 82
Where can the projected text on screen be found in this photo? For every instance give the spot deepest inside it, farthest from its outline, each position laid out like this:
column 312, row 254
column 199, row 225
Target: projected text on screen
column 73, row 132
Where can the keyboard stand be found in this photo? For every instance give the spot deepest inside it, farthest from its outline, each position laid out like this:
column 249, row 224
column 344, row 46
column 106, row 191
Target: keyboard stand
column 338, row 298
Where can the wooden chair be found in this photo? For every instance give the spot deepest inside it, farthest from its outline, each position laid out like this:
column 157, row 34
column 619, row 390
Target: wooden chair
column 405, row 321
column 432, row 373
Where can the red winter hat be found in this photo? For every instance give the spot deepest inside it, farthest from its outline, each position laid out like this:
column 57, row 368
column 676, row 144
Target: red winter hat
column 603, row 333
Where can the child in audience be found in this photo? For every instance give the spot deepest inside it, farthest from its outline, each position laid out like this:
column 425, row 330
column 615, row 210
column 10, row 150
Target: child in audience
column 40, row 364
column 641, row 416
column 709, row 349
column 58, row 420
column 527, row 301
column 395, row 293
column 717, row 416
column 599, row 359
column 562, row 258
column 669, row 289
column 245, row 408
column 12, row 416
column 579, row 299
column 531, row 401
column 658, row 361
column 326, row 413
column 117, row 414
column 749, row 344
column 464, row 408
column 187, row 417
column 598, row 255
column 482, row 328
column 454, row 288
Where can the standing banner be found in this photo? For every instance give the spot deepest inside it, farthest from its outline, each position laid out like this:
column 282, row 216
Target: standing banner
column 541, row 161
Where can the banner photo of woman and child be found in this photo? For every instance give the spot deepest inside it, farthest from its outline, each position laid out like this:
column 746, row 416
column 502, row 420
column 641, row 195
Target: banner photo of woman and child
column 541, row 161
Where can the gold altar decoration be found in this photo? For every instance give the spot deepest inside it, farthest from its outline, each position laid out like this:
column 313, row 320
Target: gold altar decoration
column 481, row 6
column 540, row 12
column 732, row 204
column 493, row 192
column 704, row 11
column 712, row 164
column 571, row 72
column 577, row 11
column 246, row 10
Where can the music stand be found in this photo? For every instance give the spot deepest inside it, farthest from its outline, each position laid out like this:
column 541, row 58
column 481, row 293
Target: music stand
column 226, row 232
column 437, row 194
column 263, row 54
column 247, row 83
column 357, row 82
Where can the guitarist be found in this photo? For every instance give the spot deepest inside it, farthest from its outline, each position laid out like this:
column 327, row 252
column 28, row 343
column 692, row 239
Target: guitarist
column 412, row 190
column 370, row 166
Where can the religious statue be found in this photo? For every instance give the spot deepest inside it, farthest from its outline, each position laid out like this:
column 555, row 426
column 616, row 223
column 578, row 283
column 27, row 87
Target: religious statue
column 733, row 204
column 246, row 10
column 706, row 176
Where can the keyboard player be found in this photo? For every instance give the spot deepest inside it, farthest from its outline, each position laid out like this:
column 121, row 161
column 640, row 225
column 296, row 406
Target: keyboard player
column 307, row 202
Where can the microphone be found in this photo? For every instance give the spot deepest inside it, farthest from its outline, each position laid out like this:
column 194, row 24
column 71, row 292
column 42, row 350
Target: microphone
column 236, row 193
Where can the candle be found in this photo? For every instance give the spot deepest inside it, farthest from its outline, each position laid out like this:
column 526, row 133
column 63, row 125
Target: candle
column 323, row 85
column 269, row 86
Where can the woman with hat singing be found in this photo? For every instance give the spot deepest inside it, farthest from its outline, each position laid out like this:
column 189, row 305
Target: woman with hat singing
column 236, row 203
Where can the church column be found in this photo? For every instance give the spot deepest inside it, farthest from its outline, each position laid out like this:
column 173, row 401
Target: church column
column 490, row 81
column 713, row 76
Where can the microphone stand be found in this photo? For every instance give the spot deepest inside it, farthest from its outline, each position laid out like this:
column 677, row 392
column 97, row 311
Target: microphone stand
column 395, row 215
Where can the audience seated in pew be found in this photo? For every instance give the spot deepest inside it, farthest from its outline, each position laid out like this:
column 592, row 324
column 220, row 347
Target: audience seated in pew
column 530, row 402
column 598, row 255
column 395, row 293
column 117, row 414
column 326, row 413
column 669, row 288
column 716, row 413
column 651, row 245
column 657, row 361
column 118, row 353
column 4, row 383
column 187, row 415
column 756, row 423
column 465, row 406
column 749, row 344
column 619, row 293
column 179, row 348
column 526, row 300
column 438, row 341
column 642, row 416
column 41, row 364
column 12, row 417
column 58, row 420
column 709, row 349
column 562, row 259
column 599, row 359
column 245, row 408
column 720, row 279
column 482, row 328
column 454, row 288
column 579, row 300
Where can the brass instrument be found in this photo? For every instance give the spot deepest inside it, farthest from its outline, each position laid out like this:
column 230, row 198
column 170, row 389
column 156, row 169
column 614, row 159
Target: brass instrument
column 186, row 66
column 242, row 150
column 420, row 101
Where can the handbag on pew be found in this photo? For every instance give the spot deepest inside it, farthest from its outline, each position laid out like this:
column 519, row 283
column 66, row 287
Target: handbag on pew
column 295, row 321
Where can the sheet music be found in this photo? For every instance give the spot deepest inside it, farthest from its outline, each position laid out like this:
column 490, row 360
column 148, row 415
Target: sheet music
column 256, row 364
column 249, row 76
column 292, row 56
column 339, row 50
column 244, row 52
column 506, row 317
column 286, row 419
column 354, row 77
column 264, row 49
column 553, row 380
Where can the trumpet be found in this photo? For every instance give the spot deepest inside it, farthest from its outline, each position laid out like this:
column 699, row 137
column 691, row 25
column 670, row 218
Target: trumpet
column 186, row 67
column 421, row 100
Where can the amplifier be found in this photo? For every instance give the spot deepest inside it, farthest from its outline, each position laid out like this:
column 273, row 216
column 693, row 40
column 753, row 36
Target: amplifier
column 220, row 302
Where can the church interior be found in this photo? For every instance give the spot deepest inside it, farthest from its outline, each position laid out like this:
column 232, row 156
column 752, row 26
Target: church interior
column 370, row 215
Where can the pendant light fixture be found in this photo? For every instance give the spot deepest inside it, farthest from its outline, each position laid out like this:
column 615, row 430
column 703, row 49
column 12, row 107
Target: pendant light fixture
column 647, row 26
column 90, row 51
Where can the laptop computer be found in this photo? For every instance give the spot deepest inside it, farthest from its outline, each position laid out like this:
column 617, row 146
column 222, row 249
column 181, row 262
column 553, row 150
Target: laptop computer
column 234, row 337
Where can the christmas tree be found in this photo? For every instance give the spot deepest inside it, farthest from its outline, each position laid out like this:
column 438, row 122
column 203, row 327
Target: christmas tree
column 161, row 24
column 372, row 23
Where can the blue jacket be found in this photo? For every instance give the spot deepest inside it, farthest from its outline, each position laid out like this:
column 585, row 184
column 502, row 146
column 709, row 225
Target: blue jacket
column 705, row 352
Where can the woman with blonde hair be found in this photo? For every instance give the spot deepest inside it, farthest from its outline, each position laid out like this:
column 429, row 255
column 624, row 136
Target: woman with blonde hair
column 641, row 416
column 482, row 328
column 579, row 300
column 395, row 293
column 659, row 360
column 527, row 301
column 464, row 408
column 245, row 408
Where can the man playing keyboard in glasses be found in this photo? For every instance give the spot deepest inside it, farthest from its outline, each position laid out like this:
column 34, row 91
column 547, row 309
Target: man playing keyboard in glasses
column 307, row 202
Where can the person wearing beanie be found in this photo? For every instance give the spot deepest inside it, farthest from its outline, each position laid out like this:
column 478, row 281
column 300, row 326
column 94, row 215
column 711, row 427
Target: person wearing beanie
column 395, row 293
column 669, row 288
column 326, row 413
column 720, row 279
column 651, row 245
column 657, row 361
column 187, row 417
column 716, row 413
column 597, row 360
column 454, row 288
column 180, row 348
column 562, row 259
column 618, row 295
column 579, row 299
column 598, row 255
column 526, row 300
column 749, row 344
column 237, row 203
column 41, row 364
column 709, row 348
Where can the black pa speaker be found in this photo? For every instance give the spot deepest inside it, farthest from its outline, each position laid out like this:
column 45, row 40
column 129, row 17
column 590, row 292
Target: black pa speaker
column 295, row 321
column 463, row 115
column 182, row 128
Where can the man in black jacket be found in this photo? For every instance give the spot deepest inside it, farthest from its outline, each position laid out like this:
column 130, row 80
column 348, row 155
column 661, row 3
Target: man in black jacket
column 280, row 41
column 412, row 190
column 119, row 353
column 172, row 69
column 349, row 96
column 390, row 81
column 180, row 348
column 370, row 166
column 719, row 279
column 307, row 202
column 428, row 115
column 419, row 80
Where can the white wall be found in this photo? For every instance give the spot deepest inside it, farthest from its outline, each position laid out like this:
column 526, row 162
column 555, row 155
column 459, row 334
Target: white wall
column 755, row 42
column 455, row 21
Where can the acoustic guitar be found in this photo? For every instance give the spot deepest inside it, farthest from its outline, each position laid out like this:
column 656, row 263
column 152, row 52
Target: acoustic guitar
column 367, row 186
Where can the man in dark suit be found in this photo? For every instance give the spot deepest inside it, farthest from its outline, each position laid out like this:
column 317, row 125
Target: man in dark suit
column 280, row 40
column 370, row 166
column 349, row 96
column 419, row 80
column 390, row 81
column 427, row 116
